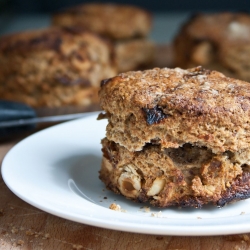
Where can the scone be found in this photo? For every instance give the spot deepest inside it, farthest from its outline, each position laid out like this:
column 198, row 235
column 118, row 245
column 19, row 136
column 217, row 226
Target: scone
column 134, row 54
column 176, row 137
column 218, row 41
column 126, row 26
column 54, row 67
column 110, row 20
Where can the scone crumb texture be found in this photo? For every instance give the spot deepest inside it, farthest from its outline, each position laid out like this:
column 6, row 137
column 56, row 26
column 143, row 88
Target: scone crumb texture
column 116, row 207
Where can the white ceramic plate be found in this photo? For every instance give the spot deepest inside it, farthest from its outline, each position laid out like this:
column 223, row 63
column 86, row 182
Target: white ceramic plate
column 56, row 170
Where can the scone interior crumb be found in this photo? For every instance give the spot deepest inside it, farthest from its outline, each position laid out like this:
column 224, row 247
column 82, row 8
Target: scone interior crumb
column 185, row 176
column 116, row 207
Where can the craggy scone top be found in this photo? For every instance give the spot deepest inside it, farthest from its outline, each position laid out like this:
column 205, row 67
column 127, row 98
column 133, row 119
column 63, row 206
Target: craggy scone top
column 111, row 20
column 172, row 107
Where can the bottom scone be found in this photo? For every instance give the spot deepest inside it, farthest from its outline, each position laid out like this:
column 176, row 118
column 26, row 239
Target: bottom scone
column 188, row 176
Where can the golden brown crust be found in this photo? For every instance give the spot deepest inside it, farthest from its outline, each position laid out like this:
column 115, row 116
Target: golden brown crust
column 216, row 41
column 188, row 176
column 54, row 67
column 111, row 20
column 176, row 106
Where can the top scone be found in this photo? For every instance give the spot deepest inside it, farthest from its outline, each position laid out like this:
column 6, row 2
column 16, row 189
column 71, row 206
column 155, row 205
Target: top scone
column 172, row 107
column 111, row 20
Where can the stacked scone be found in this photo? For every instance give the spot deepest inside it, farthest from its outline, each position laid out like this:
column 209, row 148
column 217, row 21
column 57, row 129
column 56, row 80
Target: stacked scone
column 126, row 26
column 177, row 137
column 54, row 67
column 218, row 41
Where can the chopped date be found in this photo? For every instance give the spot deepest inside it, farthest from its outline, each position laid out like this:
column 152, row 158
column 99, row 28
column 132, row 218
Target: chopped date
column 154, row 115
